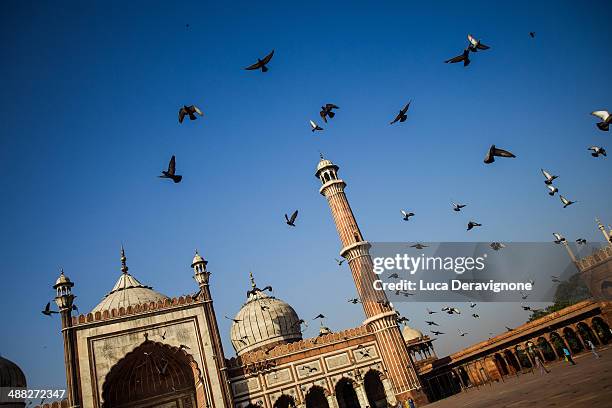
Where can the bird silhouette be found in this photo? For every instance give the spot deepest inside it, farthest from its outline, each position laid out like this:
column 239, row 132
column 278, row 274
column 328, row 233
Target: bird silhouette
column 495, row 152
column 431, row 323
column 339, row 261
column 406, row 215
column 552, row 190
column 475, row 316
column 460, row 333
column 458, row 207
column 473, row 224
column 319, row 316
column 558, row 238
column 291, row 220
column 190, row 111
column 402, row 319
column 418, row 245
column 532, row 34
column 261, row 63
column 48, row 311
column 394, row 276
column 581, row 241
column 314, row 127
column 354, row 301
column 436, row 333
column 475, row 44
column 465, row 57
column 401, row 116
column 598, row 151
column 472, row 305
column 233, row 320
column 430, row 311
column 549, row 177
column 605, row 117
column 171, row 172
column 496, row 246
column 566, row 202
column 326, row 111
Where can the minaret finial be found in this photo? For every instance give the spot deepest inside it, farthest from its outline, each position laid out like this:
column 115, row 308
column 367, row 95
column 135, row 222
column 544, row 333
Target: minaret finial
column 124, row 267
column 605, row 233
column 321, row 155
column 253, row 285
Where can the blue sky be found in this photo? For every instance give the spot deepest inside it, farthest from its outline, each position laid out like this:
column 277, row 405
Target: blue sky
column 90, row 92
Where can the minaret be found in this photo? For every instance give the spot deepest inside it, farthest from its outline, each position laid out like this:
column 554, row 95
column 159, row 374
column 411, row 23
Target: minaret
column 64, row 300
column 603, row 230
column 202, row 275
column 380, row 315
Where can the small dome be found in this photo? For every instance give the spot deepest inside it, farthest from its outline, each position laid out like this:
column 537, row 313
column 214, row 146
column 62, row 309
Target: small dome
column 197, row 259
column 62, row 280
column 128, row 291
column 410, row 334
column 323, row 330
column 11, row 375
column 264, row 321
column 323, row 164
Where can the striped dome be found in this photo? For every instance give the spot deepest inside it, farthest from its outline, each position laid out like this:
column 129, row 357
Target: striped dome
column 11, row 375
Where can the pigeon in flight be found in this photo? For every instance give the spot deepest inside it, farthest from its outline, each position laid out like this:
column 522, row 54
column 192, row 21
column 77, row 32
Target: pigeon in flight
column 339, row 261
column 555, row 279
column 475, row 44
column 319, row 316
column 418, row 245
column 171, row 172
column 508, row 328
column 472, row 305
column 406, row 215
column 430, row 311
column 552, row 190
column 291, row 220
column 495, row 152
column 605, row 117
column 401, row 116
column 532, row 34
column 597, row 151
column 394, row 276
column 558, row 238
column 403, row 319
column 523, row 295
column 451, row 310
column 549, row 177
column 460, row 333
column 354, row 301
column 48, row 311
column 436, row 333
column 314, row 127
column 233, row 320
column 526, row 308
column 465, row 57
column 430, row 323
column 255, row 290
column 581, row 241
column 327, row 111
column 261, row 63
column 473, row 224
column 566, row 202
column 190, row 110
column 496, row 246
column 475, row 316
column 458, row 207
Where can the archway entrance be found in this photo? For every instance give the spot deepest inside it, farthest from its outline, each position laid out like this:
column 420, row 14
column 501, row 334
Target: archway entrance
column 375, row 390
column 586, row 333
column 503, row 368
column 284, row 401
column 152, row 375
column 315, row 398
column 572, row 340
column 557, row 343
column 546, row 349
column 602, row 329
column 346, row 395
column 512, row 360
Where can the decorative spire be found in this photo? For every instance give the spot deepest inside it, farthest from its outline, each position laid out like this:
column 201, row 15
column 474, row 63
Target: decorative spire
column 602, row 229
column 124, row 267
column 253, row 285
column 321, row 155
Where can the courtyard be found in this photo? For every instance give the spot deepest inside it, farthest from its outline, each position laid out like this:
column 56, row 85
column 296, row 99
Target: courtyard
column 587, row 384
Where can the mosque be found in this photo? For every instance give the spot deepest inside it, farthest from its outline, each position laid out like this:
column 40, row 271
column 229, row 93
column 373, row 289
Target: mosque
column 139, row 348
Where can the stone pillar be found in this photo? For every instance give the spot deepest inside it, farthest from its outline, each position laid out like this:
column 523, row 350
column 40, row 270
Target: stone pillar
column 389, row 392
column 361, row 395
column 579, row 337
column 548, row 338
column 331, row 400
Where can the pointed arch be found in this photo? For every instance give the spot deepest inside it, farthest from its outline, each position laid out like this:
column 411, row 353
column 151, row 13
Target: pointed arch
column 375, row 389
column 316, row 397
column 346, row 396
column 284, row 401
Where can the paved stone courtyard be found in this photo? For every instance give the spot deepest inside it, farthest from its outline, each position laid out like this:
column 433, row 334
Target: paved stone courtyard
column 587, row 384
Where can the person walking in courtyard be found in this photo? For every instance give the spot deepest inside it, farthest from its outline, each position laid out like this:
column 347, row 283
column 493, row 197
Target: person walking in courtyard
column 592, row 347
column 568, row 356
column 540, row 364
column 411, row 403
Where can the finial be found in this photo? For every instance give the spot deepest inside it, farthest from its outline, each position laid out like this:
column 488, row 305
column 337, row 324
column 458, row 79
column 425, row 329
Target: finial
column 124, row 267
column 253, row 285
column 61, row 270
column 321, row 155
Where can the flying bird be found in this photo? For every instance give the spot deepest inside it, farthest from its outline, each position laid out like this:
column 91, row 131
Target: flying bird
column 605, row 117
column 475, row 44
column 291, row 220
column 581, row 241
column 319, row 316
column 314, row 127
column 430, row 311
column 48, row 311
column 233, row 320
column 451, row 310
column 401, row 116
column 171, row 172
column 523, row 295
column 255, row 290
column 597, row 151
column 458, row 207
column 354, row 301
column 430, row 323
column 495, row 152
column 475, row 316
column 552, row 190
column 460, row 333
column 555, row 279
column 532, row 34
column 394, row 276
column 472, row 305
column 566, row 202
column 465, row 57
column 418, row 245
column 327, row 111
column 508, row 328
column 558, row 238
column 403, row 319
column 549, row 177
column 496, row 246
column 406, row 215
column 473, row 224
column 261, row 63
column 526, row 308
column 190, row 110
column 436, row 333
column 339, row 261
